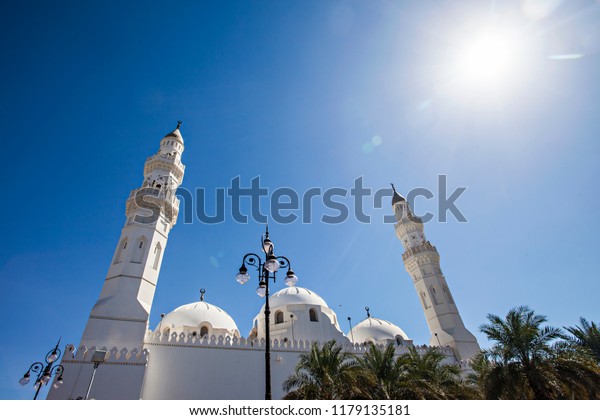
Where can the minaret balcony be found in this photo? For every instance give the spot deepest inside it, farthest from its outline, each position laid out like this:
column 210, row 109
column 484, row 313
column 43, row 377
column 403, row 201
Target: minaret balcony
column 426, row 246
column 166, row 201
column 167, row 163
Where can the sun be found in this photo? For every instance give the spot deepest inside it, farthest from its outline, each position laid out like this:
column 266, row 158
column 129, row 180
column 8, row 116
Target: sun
column 488, row 60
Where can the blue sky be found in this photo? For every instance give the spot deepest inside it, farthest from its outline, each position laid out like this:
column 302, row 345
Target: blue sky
column 297, row 93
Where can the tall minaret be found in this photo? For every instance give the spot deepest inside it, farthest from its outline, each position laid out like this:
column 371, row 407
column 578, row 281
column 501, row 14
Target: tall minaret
column 422, row 262
column 120, row 316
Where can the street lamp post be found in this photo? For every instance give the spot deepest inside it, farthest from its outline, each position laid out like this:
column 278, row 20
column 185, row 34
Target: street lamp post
column 266, row 271
column 44, row 372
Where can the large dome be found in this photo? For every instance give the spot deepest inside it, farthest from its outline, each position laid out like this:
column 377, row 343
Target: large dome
column 295, row 296
column 200, row 317
column 377, row 331
column 298, row 314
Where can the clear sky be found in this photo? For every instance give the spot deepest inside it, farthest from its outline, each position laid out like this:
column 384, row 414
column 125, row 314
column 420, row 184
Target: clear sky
column 303, row 94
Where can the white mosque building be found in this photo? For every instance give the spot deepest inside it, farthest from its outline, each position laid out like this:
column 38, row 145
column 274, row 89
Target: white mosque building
column 197, row 351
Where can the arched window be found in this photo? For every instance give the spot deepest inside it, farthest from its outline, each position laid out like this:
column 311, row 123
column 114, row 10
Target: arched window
column 399, row 340
column 448, row 295
column 313, row 315
column 167, row 331
column 278, row 317
column 434, row 296
column 120, row 251
column 157, row 252
column 424, row 300
column 138, row 252
column 203, row 331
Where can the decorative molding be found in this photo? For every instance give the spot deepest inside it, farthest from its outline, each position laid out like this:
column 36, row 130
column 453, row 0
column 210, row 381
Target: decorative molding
column 225, row 342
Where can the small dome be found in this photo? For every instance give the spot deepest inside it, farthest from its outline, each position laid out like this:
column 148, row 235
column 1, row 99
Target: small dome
column 175, row 134
column 193, row 316
column 294, row 296
column 397, row 198
column 378, row 331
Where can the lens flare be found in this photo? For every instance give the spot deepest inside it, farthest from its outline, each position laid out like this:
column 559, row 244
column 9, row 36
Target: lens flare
column 488, row 60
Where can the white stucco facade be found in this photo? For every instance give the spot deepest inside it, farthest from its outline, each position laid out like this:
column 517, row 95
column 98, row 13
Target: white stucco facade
column 197, row 351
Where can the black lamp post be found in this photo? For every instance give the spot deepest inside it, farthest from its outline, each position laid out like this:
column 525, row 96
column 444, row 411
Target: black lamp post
column 266, row 271
column 44, row 372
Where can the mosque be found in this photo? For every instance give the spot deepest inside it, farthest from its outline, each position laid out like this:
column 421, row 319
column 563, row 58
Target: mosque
column 196, row 351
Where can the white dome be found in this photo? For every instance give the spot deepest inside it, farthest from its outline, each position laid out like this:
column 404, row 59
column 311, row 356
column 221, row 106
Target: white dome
column 174, row 135
column 378, row 331
column 295, row 296
column 298, row 314
column 194, row 316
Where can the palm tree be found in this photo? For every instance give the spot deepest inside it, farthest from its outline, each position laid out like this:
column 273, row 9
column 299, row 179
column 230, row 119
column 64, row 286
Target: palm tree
column 528, row 362
column 413, row 375
column 426, row 376
column 586, row 336
column 323, row 373
column 380, row 372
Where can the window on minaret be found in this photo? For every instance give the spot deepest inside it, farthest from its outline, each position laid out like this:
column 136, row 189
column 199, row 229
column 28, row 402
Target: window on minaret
column 313, row 315
column 119, row 256
column 424, row 300
column 278, row 317
column 157, row 253
column 434, row 296
column 448, row 295
column 139, row 251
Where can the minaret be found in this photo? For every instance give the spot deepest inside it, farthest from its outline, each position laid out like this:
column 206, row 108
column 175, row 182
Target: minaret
column 422, row 262
column 120, row 316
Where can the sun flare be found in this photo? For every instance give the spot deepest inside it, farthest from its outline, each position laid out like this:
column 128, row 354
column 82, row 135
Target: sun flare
column 489, row 60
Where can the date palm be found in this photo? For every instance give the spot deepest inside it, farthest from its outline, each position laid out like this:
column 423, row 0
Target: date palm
column 528, row 361
column 325, row 372
column 586, row 336
column 425, row 375
column 413, row 375
column 379, row 372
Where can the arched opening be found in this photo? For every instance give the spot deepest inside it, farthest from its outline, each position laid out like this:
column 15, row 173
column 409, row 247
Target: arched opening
column 157, row 252
column 167, row 331
column 424, row 300
column 139, row 250
column 434, row 296
column 203, row 331
column 120, row 251
column 312, row 313
column 399, row 340
column 278, row 317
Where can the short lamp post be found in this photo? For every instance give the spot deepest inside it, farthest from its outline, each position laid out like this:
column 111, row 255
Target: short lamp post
column 98, row 358
column 266, row 271
column 45, row 371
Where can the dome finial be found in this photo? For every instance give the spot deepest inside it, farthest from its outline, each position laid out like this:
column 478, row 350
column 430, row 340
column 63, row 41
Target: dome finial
column 202, row 292
column 393, row 188
column 178, row 124
column 368, row 313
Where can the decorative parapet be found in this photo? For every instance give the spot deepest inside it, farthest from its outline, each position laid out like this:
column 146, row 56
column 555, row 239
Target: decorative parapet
column 167, row 163
column 136, row 356
column 419, row 248
column 234, row 343
column 165, row 199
